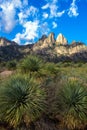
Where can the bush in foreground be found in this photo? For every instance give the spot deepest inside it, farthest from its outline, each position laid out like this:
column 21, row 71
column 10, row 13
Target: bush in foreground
column 11, row 65
column 30, row 64
column 72, row 105
column 21, row 100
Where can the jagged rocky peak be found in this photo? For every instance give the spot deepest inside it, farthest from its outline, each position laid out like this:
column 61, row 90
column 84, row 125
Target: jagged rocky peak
column 61, row 39
column 6, row 42
column 43, row 38
column 78, row 44
column 44, row 42
column 51, row 38
column 73, row 42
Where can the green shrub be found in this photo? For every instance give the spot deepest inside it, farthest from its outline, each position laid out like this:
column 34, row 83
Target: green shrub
column 79, row 64
column 11, row 65
column 50, row 70
column 21, row 100
column 72, row 105
column 30, row 64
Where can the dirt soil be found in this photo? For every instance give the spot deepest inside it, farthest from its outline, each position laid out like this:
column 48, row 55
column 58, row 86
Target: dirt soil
column 6, row 73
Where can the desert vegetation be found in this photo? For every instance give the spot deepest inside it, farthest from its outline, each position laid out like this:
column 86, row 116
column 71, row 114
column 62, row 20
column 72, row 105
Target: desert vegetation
column 42, row 95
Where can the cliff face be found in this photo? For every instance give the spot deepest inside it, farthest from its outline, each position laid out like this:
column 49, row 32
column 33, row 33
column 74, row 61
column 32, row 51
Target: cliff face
column 61, row 40
column 70, row 49
column 44, row 42
column 60, row 48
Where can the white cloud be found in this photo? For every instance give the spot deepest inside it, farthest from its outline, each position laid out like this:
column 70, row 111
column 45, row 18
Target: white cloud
column 22, row 16
column 7, row 16
column 29, row 33
column 44, row 27
column 25, row 13
column 53, row 7
column 32, row 11
column 27, row 43
column 54, row 24
column 18, row 38
column 73, row 10
column 53, row 10
column 14, row 11
column 31, row 29
column 45, row 6
column 45, row 15
column 16, row 3
column 8, row 13
column 59, row 14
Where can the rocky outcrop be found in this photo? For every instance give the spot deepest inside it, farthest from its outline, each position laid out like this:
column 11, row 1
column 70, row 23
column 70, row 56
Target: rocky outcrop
column 44, row 42
column 60, row 49
column 43, row 38
column 77, row 47
column 61, row 39
column 50, row 39
column 6, row 42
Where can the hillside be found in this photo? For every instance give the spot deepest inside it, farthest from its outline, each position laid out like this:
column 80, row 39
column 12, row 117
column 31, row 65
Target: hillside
column 49, row 48
column 10, row 50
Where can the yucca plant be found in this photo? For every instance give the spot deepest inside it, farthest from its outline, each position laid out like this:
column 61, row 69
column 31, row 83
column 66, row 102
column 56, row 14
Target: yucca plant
column 31, row 64
column 21, row 100
column 50, row 70
column 72, row 105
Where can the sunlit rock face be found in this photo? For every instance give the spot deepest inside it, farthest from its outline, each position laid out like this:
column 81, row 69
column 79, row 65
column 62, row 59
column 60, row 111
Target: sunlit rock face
column 77, row 47
column 61, row 39
column 6, row 42
column 50, row 38
column 60, row 48
column 44, row 42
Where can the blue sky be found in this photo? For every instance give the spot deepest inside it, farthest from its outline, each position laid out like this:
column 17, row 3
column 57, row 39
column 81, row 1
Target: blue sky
column 25, row 21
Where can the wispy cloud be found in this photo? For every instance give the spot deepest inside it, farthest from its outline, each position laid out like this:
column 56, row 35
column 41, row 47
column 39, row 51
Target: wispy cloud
column 73, row 10
column 54, row 24
column 45, row 6
column 45, row 15
column 53, row 7
column 25, row 13
column 44, row 27
column 53, row 10
column 59, row 14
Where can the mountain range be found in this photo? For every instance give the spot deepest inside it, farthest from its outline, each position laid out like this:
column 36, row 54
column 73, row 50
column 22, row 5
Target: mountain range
column 49, row 48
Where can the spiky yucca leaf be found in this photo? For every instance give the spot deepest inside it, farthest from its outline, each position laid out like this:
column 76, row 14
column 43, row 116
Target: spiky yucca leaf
column 30, row 64
column 21, row 99
column 72, row 105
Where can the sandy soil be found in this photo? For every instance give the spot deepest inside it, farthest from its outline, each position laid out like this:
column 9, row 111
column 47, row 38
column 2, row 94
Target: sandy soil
column 6, row 73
